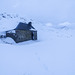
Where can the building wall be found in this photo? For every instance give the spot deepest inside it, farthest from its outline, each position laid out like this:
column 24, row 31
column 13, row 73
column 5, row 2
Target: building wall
column 23, row 35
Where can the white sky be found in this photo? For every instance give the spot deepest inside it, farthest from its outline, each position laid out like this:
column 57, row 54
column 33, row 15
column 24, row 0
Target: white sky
column 42, row 10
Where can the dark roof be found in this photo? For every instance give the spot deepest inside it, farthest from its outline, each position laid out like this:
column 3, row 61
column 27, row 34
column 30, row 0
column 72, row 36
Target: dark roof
column 23, row 26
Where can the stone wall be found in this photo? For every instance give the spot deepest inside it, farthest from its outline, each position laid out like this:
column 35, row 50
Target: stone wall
column 22, row 35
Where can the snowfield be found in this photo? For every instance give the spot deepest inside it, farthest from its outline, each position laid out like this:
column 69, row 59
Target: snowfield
column 52, row 54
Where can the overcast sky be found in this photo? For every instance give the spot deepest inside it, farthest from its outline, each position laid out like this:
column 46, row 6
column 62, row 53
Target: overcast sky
column 42, row 10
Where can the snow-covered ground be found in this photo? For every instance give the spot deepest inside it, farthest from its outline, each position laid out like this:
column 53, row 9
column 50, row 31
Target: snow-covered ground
column 52, row 54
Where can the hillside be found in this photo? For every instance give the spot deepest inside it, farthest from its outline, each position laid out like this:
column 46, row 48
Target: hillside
column 52, row 54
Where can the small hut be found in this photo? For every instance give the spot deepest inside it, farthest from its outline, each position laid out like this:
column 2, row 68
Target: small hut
column 23, row 32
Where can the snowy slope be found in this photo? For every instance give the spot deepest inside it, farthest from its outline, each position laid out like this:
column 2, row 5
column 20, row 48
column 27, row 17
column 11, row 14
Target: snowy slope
column 52, row 54
column 9, row 21
column 42, row 10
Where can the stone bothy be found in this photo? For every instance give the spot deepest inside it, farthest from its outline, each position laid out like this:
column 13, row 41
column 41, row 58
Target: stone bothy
column 23, row 32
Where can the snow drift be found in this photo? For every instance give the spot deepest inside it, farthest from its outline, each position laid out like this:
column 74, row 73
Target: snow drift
column 52, row 54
